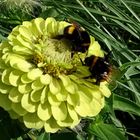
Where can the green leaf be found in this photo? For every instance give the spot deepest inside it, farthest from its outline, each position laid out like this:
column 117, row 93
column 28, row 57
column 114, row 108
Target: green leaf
column 79, row 137
column 126, row 65
column 126, row 105
column 106, row 132
column 126, row 28
column 133, row 13
column 9, row 128
column 2, row 38
column 132, row 88
column 4, row 30
column 44, row 136
column 51, row 12
column 19, row 138
column 64, row 136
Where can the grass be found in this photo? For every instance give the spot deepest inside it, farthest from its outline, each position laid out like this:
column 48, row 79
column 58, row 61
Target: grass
column 115, row 24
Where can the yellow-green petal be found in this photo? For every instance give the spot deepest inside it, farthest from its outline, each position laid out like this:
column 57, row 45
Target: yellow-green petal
column 14, row 95
column 53, row 100
column 62, row 25
column 44, row 111
column 104, row 89
column 20, row 64
column 95, row 49
column 51, row 126
column 27, row 24
column 73, row 99
column 13, row 114
column 5, row 102
column 36, row 85
column 34, row 74
column 18, row 109
column 65, row 80
column 72, row 113
column 40, row 24
column 66, row 123
column 54, row 86
column 31, row 120
column 71, row 88
column 24, row 88
column 45, row 79
column 35, row 95
column 25, row 32
column 4, row 89
column 22, row 50
column 51, row 26
column 44, row 95
column 59, row 112
column 27, row 104
column 14, row 77
column 25, row 79
column 23, row 43
column 86, row 93
column 5, row 76
column 96, row 106
column 62, row 95
column 87, row 107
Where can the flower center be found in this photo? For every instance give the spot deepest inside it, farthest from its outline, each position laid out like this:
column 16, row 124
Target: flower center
column 55, row 57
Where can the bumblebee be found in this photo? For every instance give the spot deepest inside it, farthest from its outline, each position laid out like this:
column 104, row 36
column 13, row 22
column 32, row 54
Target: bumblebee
column 78, row 37
column 99, row 67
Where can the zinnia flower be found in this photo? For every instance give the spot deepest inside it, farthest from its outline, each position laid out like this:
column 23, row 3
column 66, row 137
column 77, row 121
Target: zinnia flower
column 41, row 84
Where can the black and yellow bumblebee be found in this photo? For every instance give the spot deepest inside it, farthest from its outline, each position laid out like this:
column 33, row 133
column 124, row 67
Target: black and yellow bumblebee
column 78, row 37
column 100, row 68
